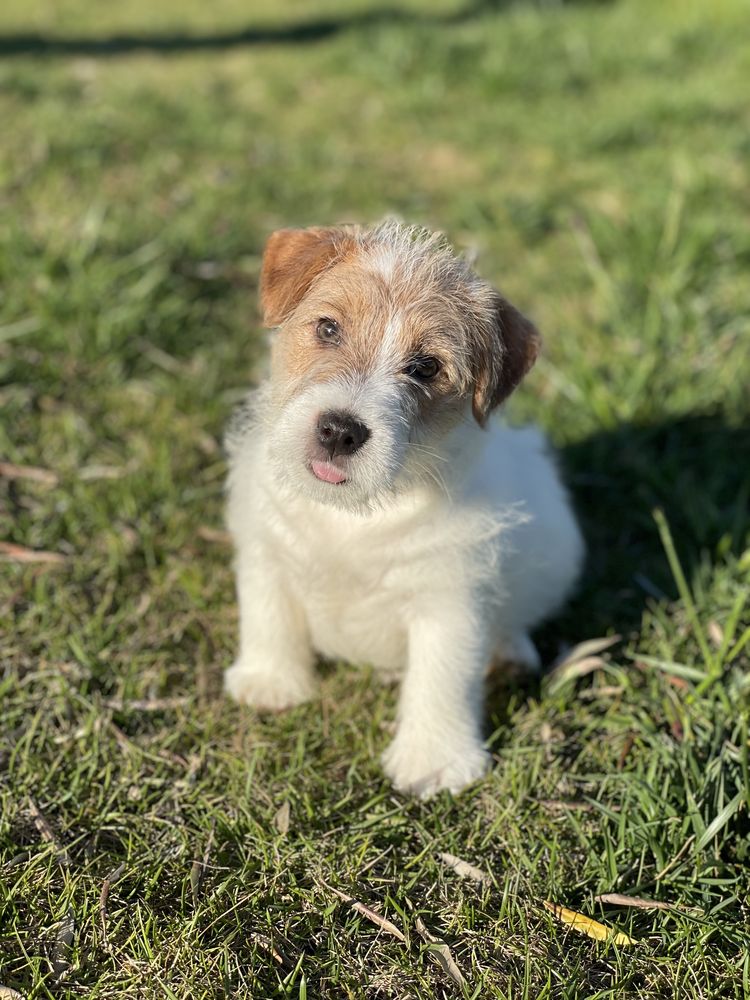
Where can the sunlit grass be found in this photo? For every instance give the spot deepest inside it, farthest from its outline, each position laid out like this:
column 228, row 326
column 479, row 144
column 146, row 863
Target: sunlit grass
column 158, row 841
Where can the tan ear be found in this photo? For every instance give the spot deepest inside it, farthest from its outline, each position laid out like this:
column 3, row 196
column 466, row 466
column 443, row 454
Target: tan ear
column 509, row 350
column 292, row 260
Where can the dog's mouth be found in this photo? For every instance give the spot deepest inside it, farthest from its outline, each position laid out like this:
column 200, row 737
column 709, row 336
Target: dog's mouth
column 327, row 472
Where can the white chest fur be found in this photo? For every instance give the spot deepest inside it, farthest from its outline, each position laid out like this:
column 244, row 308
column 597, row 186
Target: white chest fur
column 437, row 580
column 505, row 532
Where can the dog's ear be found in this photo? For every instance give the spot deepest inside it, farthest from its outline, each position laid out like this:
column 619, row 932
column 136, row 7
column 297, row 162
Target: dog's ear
column 292, row 260
column 506, row 351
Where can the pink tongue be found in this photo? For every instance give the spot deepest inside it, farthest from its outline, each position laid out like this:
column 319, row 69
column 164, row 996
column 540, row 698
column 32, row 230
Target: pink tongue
column 328, row 473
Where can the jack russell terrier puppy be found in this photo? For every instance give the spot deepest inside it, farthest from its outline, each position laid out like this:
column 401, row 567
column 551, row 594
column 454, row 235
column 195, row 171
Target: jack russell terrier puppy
column 378, row 516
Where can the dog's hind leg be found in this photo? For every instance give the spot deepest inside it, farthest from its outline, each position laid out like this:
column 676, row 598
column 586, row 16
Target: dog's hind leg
column 518, row 652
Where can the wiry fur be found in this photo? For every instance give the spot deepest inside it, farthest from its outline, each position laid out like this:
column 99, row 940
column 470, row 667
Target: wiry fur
column 445, row 544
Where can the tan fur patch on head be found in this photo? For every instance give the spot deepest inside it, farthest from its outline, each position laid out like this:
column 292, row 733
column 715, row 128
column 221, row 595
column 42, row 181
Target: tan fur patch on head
column 292, row 260
column 396, row 294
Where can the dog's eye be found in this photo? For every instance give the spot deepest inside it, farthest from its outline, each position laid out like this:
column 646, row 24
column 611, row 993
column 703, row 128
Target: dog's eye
column 423, row 369
column 328, row 331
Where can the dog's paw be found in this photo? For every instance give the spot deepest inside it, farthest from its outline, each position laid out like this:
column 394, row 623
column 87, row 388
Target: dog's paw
column 424, row 768
column 267, row 690
column 519, row 656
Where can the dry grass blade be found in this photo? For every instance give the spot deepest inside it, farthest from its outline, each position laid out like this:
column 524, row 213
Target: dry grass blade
column 196, row 876
column 198, row 867
column 680, row 854
column 464, row 869
column 6, row 993
column 109, row 881
column 618, row 899
column 46, row 833
column 580, row 660
column 93, row 473
column 22, row 327
column 603, row 691
column 215, row 535
column 585, row 925
column 266, row 944
column 440, row 953
column 10, row 552
column 31, row 472
column 145, row 704
column 715, row 633
column 560, row 805
column 159, row 357
column 282, row 817
column 372, row 915
column 583, row 650
column 60, row 959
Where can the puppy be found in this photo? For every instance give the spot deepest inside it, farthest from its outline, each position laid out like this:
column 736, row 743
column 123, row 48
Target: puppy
column 378, row 516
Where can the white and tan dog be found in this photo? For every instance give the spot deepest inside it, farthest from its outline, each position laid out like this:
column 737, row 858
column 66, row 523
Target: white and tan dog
column 377, row 517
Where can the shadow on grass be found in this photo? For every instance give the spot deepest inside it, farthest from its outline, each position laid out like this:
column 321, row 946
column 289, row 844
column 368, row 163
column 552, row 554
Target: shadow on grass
column 697, row 470
column 173, row 42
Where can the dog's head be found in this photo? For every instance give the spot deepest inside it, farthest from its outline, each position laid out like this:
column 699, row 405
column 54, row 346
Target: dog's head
column 385, row 338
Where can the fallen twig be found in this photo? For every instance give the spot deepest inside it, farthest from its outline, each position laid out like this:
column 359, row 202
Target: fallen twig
column 618, row 899
column 372, row 915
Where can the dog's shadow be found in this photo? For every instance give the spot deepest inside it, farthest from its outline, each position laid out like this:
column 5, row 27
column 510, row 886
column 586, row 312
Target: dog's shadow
column 697, row 470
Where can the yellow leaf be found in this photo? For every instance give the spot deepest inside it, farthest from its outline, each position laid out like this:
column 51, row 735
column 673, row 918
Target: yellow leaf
column 585, row 925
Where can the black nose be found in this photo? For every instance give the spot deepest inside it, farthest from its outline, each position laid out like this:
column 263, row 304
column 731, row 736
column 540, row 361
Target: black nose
column 340, row 433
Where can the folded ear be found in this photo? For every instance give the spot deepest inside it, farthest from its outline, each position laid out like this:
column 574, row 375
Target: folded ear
column 292, row 260
column 505, row 353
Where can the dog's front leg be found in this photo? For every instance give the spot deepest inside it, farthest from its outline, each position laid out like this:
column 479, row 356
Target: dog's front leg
column 274, row 669
column 438, row 741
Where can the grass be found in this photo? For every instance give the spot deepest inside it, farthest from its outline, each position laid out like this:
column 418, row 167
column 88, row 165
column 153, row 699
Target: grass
column 157, row 841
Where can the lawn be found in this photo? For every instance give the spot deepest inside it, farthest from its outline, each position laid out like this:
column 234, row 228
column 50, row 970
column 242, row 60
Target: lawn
column 158, row 841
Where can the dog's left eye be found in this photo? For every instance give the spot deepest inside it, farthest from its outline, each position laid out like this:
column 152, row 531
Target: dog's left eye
column 328, row 331
column 423, row 369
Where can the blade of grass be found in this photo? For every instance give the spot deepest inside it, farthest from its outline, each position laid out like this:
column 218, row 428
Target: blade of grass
column 719, row 822
column 684, row 590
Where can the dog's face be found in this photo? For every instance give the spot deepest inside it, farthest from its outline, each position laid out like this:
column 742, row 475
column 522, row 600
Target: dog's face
column 384, row 339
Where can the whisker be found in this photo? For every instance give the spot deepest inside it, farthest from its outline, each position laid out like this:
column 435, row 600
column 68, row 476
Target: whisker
column 432, row 474
column 428, row 451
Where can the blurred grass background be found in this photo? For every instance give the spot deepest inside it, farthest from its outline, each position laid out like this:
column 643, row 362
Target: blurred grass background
column 594, row 157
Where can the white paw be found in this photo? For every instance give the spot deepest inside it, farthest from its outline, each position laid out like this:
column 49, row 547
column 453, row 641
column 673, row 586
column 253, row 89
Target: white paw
column 521, row 653
column 266, row 689
column 426, row 767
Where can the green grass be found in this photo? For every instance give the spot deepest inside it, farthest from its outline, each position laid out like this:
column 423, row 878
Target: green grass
column 595, row 157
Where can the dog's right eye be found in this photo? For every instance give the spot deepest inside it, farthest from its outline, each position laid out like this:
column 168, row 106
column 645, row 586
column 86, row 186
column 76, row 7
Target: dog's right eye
column 328, row 331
